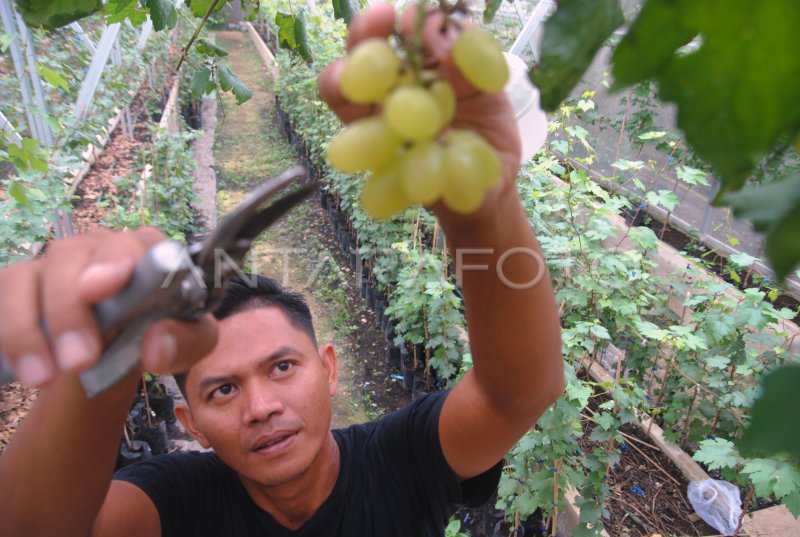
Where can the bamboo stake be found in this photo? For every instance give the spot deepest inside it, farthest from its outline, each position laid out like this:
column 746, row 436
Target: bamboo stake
column 554, row 527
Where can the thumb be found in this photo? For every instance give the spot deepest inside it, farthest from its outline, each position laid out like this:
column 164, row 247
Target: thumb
column 172, row 346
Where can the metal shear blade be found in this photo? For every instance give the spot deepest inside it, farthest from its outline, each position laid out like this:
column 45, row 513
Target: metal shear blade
column 199, row 288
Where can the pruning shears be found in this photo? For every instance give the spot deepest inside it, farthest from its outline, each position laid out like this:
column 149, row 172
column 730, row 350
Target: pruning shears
column 178, row 281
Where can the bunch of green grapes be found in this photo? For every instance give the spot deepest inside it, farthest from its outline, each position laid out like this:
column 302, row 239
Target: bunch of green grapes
column 410, row 150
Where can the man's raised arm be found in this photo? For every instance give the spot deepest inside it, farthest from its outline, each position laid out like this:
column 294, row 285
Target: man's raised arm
column 511, row 312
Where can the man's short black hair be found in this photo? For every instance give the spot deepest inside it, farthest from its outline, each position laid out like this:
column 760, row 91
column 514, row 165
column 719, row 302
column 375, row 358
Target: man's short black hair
column 245, row 292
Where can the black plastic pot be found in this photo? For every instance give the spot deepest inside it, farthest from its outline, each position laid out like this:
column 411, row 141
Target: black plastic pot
column 407, row 369
column 379, row 307
column 163, row 405
column 137, row 451
column 370, row 297
column 393, row 355
column 156, row 437
column 352, row 254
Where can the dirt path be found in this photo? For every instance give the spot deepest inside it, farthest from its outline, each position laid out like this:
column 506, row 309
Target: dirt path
column 300, row 251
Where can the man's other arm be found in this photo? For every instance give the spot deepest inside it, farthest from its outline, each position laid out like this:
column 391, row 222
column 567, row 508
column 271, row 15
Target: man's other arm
column 55, row 475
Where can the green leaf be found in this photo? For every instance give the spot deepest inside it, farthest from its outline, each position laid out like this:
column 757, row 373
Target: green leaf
column 717, row 453
column 743, row 61
column 717, row 362
column 200, row 7
column 52, row 77
column 651, row 42
column 56, row 13
column 119, row 10
column 345, row 10
column 774, row 209
column 491, row 10
column 792, row 503
column 652, row 135
column 17, row 191
column 210, row 49
column 285, row 25
column 202, row 83
column 162, row 13
column 742, row 259
column 29, row 155
column 663, row 198
column 625, row 165
column 572, row 37
column 768, row 433
column 301, row 38
column 228, row 81
column 692, row 176
column 5, row 41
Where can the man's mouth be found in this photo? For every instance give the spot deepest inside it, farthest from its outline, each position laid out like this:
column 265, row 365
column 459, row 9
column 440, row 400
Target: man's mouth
column 274, row 443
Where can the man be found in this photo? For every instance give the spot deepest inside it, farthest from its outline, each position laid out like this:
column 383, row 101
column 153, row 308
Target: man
column 258, row 387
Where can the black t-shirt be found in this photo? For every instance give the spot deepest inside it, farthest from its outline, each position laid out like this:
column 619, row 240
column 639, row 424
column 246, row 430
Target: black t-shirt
column 393, row 482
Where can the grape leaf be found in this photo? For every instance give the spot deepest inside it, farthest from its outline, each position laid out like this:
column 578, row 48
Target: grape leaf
column 285, row 25
column 774, row 209
column 119, row 10
column 792, row 503
column 663, row 198
column 202, row 83
column 200, row 7
column 52, row 77
column 768, row 433
column 28, row 155
column 742, row 259
column 162, row 13
column 301, row 38
column 491, row 9
column 228, row 81
column 55, row 13
column 692, row 176
column 17, row 191
column 344, row 9
column 717, row 453
column 742, row 67
column 570, row 40
column 210, row 49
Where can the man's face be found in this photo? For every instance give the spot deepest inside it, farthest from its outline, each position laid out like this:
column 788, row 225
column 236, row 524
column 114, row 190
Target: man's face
column 262, row 398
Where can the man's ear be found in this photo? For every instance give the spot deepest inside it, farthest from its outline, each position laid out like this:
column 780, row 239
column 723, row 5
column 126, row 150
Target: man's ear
column 328, row 356
column 184, row 414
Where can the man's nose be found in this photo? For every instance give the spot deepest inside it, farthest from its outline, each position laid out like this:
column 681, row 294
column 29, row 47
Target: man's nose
column 261, row 404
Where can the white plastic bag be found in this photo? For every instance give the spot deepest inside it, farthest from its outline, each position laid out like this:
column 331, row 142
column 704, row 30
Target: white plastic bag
column 718, row 503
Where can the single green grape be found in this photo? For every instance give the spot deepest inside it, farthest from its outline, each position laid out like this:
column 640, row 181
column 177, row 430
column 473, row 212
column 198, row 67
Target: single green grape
column 413, row 113
column 383, row 196
column 463, row 188
column 486, row 157
column 370, row 72
column 423, row 173
column 366, row 144
column 480, row 60
column 443, row 92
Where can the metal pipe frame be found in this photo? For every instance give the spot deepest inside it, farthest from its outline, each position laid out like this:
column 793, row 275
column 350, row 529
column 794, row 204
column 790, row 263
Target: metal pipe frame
column 96, row 68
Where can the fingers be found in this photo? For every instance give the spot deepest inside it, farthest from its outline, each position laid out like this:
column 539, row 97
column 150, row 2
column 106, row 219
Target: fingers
column 23, row 341
column 172, row 346
column 377, row 21
column 438, row 36
column 111, row 266
column 329, row 90
column 48, row 321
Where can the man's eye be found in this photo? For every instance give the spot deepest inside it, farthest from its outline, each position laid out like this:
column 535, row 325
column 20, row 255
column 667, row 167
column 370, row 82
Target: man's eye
column 283, row 367
column 225, row 389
